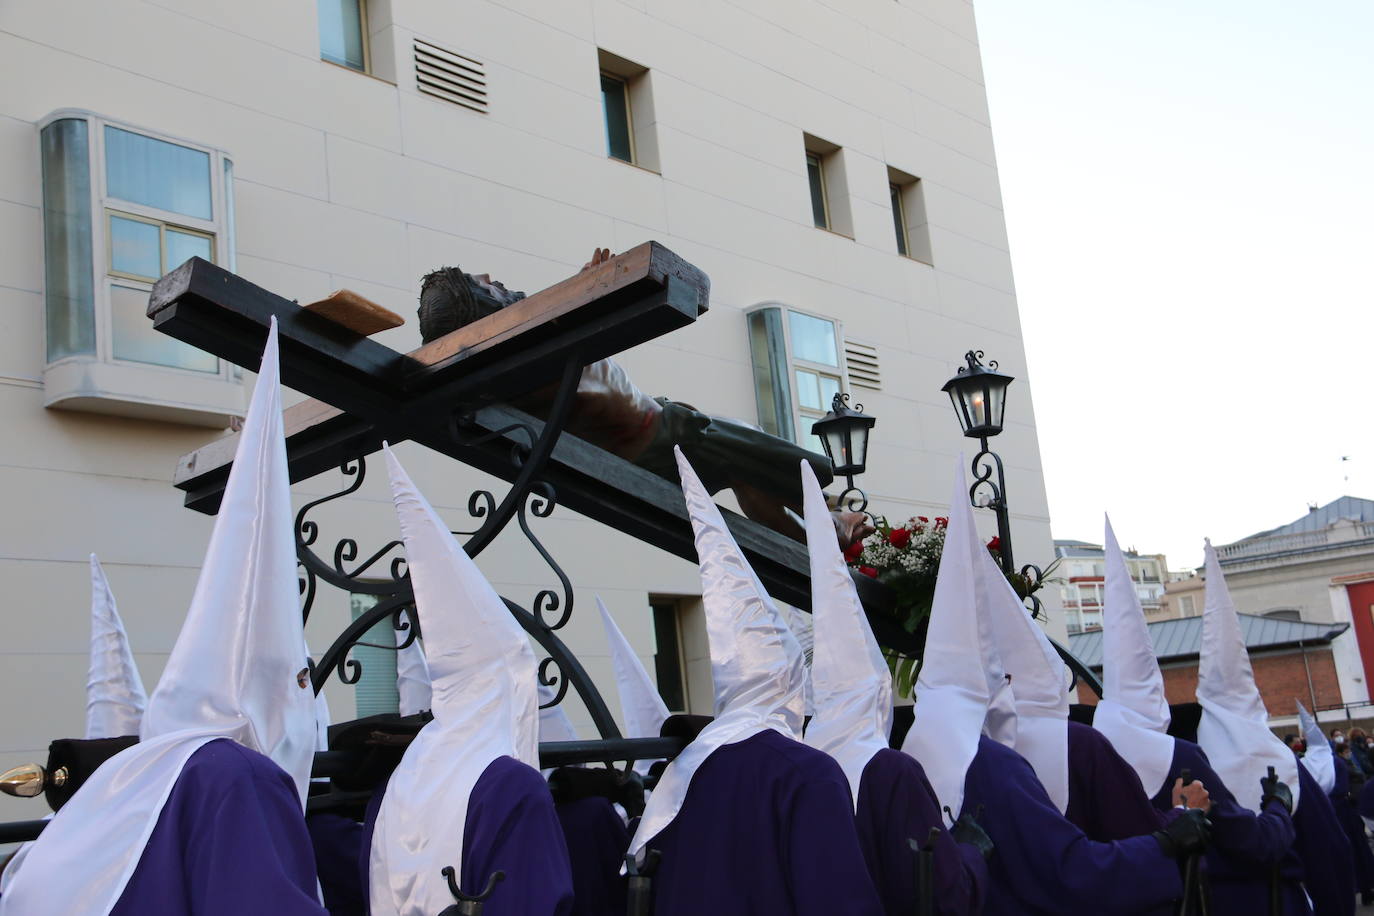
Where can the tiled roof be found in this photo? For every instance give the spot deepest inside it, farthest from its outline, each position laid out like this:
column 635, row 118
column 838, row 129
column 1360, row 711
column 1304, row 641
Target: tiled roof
column 1351, row 507
column 1176, row 640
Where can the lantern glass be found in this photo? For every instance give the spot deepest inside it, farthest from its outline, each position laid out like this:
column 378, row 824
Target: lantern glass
column 844, row 436
column 979, row 396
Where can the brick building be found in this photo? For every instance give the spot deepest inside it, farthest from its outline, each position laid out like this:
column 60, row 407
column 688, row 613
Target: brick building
column 1292, row 660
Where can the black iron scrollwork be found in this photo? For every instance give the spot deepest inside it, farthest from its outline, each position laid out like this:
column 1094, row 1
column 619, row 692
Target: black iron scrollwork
column 529, row 497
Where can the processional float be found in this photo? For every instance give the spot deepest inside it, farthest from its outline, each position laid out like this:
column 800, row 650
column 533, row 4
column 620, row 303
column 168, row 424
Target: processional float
column 452, row 395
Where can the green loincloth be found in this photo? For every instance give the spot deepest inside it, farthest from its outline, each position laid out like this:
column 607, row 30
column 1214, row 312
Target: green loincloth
column 721, row 451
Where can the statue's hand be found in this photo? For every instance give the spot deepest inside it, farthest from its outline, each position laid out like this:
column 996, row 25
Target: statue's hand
column 599, row 256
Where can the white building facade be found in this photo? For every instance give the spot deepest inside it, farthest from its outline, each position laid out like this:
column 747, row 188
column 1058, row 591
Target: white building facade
column 828, row 163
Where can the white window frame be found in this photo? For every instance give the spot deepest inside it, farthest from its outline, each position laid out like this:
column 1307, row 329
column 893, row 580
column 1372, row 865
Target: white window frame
column 803, row 417
column 103, row 206
column 194, row 403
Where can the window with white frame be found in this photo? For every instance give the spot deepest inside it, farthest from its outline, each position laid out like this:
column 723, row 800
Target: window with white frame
column 122, row 206
column 798, row 369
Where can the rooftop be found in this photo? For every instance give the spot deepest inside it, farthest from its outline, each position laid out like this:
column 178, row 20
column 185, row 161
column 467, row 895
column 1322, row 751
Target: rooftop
column 1181, row 639
column 1317, row 518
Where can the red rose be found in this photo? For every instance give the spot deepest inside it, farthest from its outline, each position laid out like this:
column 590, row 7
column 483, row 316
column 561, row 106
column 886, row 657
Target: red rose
column 922, row 518
column 899, row 537
column 853, row 551
column 941, row 522
column 869, row 571
column 995, row 544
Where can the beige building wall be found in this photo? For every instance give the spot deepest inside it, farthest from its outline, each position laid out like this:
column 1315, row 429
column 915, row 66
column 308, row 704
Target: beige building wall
column 350, row 180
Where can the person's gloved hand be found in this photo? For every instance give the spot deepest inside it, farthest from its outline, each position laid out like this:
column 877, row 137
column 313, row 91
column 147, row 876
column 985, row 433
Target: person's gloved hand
column 1186, row 835
column 1274, row 790
column 967, row 830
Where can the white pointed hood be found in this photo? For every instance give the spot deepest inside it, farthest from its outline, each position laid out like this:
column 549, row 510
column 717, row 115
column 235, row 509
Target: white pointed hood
column 1234, row 730
column 1318, row 759
column 961, row 692
column 1134, row 712
column 756, row 663
column 115, row 698
column 849, row 676
column 485, row 706
column 1039, row 683
column 641, row 706
column 233, row 673
column 413, row 688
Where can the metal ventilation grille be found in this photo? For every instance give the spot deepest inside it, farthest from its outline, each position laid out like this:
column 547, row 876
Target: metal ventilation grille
column 861, row 363
column 451, row 77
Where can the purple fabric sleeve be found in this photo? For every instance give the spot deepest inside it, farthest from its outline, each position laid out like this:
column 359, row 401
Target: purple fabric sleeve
column 897, row 804
column 1246, row 847
column 1328, row 871
column 1043, row 864
column 767, row 827
column 337, row 842
column 230, row 840
column 1106, row 800
column 1353, row 826
column 511, row 827
column 596, row 839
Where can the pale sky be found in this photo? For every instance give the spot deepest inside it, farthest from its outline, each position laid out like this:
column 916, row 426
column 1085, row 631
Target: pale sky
column 1189, row 200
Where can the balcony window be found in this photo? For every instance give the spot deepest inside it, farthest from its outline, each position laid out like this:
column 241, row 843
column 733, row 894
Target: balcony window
column 122, row 207
column 798, row 370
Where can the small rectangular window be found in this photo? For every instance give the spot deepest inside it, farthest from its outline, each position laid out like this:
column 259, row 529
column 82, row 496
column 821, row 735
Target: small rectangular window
column 615, row 101
column 343, row 33
column 909, row 215
column 668, row 664
column 898, row 220
column 815, row 174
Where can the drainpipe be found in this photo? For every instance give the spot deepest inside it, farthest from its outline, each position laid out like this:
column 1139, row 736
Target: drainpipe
column 1311, row 692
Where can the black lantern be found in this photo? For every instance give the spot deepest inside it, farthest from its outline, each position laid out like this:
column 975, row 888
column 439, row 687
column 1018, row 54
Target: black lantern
column 979, row 396
column 844, row 436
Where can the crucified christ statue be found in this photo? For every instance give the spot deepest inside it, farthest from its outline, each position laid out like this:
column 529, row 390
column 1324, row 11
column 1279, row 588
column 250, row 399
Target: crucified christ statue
column 613, row 414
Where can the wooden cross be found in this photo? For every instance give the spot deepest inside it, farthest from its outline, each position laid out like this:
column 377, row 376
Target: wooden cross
column 366, row 392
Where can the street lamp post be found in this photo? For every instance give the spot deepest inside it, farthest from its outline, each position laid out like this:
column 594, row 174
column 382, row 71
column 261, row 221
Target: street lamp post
column 979, row 395
column 844, row 436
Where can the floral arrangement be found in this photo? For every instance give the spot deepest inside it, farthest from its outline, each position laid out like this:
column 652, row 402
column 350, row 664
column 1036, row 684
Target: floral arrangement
column 906, row 558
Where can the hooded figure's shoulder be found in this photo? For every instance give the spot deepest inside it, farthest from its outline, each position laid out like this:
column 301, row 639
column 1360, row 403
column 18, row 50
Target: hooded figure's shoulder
column 786, row 755
column 224, row 763
column 509, row 778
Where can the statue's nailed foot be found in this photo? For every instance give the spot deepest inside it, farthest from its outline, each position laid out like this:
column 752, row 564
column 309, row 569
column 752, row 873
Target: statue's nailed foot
column 851, row 527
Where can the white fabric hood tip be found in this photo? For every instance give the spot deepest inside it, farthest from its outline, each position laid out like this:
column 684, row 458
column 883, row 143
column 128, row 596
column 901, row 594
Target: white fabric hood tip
column 1134, row 712
column 850, row 680
column 641, row 706
column 756, row 663
column 1234, row 729
column 962, row 691
column 233, row 673
column 484, row 703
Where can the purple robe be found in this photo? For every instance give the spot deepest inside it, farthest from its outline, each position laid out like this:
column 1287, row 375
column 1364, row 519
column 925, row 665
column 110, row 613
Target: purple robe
column 896, row 803
column 1353, row 827
column 766, row 828
column 1366, row 803
column 230, row 840
column 1328, row 871
column 597, row 839
column 1245, row 846
column 1043, row 864
column 511, row 826
column 1106, row 799
column 337, row 841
